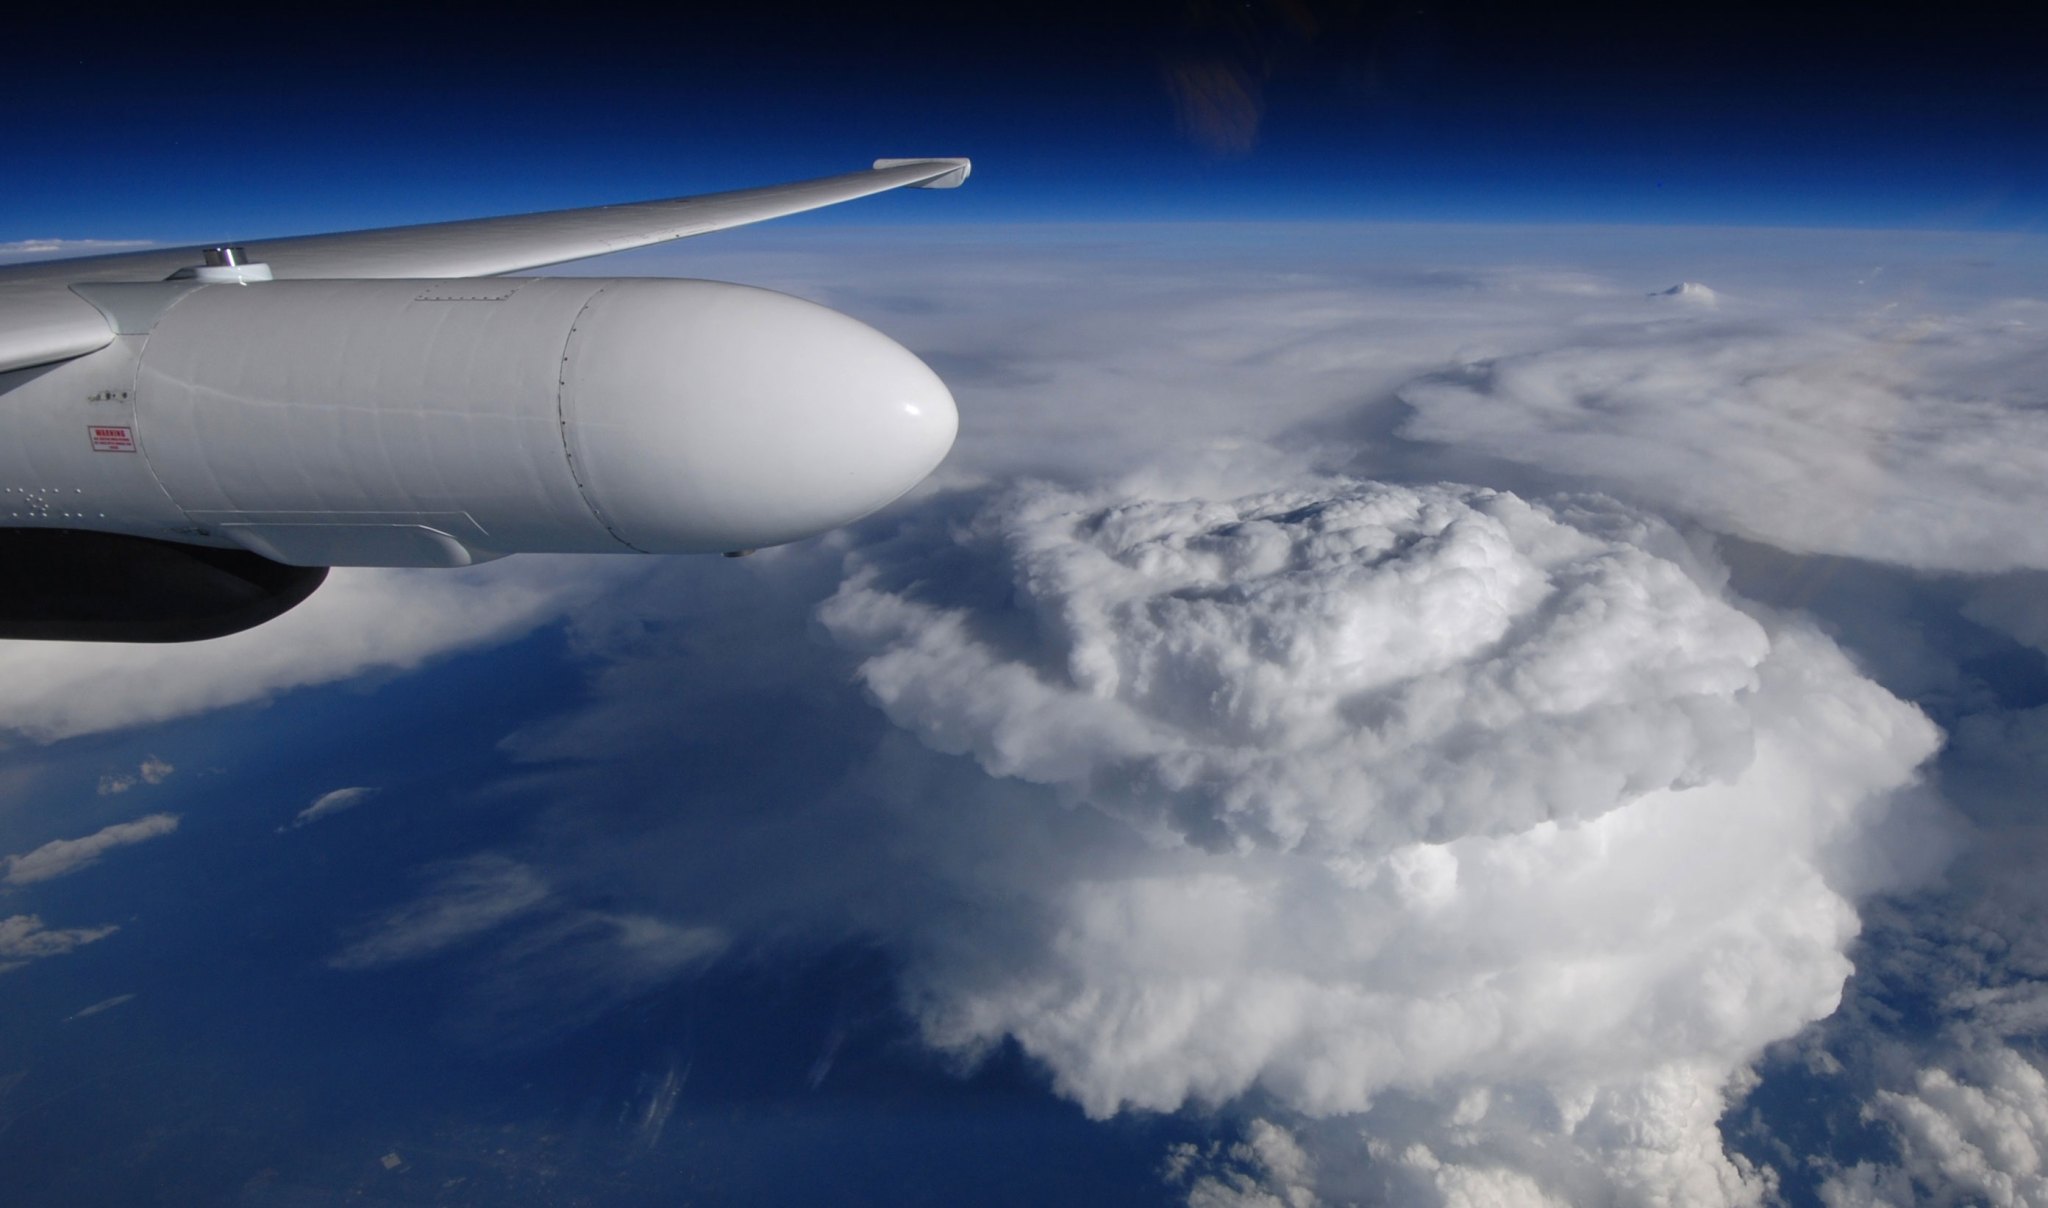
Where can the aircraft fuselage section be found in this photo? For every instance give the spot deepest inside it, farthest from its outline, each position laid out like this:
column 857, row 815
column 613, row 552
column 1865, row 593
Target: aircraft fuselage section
column 444, row 422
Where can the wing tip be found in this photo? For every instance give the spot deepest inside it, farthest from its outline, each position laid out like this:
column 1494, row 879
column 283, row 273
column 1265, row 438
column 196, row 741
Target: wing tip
column 949, row 178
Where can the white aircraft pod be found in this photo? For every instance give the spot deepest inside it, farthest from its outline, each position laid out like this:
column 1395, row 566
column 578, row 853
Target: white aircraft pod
column 186, row 446
column 701, row 417
column 429, row 423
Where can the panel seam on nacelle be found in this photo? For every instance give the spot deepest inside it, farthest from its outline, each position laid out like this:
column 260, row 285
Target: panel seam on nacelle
column 562, row 417
column 138, row 413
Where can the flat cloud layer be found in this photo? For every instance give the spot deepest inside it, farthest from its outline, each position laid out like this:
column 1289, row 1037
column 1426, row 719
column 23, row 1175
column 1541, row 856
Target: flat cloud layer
column 1873, row 396
column 359, row 622
column 1918, row 440
column 30, row 249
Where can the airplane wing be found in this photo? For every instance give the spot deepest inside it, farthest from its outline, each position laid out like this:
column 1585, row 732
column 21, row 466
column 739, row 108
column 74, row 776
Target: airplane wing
column 42, row 321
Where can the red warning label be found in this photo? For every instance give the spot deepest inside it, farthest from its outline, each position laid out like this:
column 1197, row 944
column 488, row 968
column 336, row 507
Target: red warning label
column 112, row 440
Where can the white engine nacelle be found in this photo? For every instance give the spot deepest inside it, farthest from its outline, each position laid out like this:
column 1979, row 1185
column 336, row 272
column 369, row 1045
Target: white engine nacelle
column 438, row 423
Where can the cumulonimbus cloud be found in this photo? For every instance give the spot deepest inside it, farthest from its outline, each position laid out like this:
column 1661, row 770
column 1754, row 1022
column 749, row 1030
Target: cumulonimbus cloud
column 1439, row 788
column 1344, row 667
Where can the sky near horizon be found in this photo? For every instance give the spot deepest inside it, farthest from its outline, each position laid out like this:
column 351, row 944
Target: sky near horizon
column 251, row 122
column 1388, row 701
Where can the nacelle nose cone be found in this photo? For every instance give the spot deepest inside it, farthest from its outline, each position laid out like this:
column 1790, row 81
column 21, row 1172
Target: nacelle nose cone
column 701, row 416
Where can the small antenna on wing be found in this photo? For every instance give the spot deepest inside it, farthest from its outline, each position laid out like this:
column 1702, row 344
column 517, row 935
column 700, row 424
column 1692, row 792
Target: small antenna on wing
column 225, row 265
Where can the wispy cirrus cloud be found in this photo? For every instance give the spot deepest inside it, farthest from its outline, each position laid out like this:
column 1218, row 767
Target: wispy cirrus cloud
column 462, row 900
column 102, row 1006
column 540, row 965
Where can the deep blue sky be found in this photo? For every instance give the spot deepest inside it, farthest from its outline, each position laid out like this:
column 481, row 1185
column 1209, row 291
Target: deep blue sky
column 176, row 127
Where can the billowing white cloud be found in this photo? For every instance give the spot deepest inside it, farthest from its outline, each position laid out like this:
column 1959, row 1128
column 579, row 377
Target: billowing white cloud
column 1416, row 1174
column 1955, row 1081
column 61, row 856
column 24, row 938
column 1268, row 1169
column 1443, row 794
column 1340, row 667
column 1648, row 1138
column 360, row 621
column 1977, row 1134
column 328, row 803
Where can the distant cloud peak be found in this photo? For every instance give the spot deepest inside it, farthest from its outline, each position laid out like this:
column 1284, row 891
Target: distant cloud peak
column 1690, row 291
